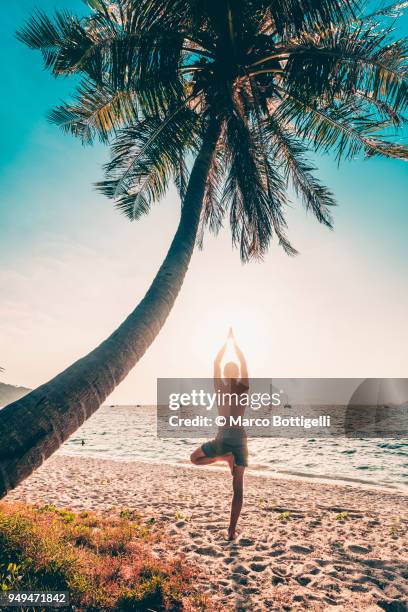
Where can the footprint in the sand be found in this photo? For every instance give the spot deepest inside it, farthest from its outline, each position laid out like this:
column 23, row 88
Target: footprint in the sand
column 258, row 567
column 215, row 527
column 358, row 588
column 392, row 605
column 358, row 549
column 239, row 579
column 209, row 551
column 303, row 580
column 312, row 569
column 279, row 571
column 187, row 548
column 277, row 552
column 278, row 580
column 240, row 569
column 245, row 542
column 301, row 550
column 323, row 562
column 251, row 591
column 199, row 541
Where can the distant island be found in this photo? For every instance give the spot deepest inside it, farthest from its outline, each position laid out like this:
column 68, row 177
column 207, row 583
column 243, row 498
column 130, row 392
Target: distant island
column 10, row 393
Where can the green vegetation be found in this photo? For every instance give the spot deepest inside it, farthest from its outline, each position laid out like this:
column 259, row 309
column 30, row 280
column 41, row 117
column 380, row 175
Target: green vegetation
column 396, row 528
column 131, row 515
column 284, row 516
column 342, row 516
column 105, row 562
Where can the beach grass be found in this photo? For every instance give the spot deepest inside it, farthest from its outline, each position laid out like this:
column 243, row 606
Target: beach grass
column 105, row 562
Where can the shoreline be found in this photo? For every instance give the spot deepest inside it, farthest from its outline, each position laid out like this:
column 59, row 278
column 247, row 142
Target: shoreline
column 255, row 472
column 304, row 545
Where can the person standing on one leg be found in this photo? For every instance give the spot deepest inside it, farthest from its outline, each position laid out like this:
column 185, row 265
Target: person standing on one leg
column 231, row 444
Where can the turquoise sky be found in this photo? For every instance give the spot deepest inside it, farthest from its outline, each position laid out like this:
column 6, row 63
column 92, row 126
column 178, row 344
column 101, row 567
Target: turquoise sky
column 72, row 267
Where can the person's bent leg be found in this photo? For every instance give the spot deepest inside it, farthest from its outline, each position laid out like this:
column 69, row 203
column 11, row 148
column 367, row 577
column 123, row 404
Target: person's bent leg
column 237, row 499
column 199, row 457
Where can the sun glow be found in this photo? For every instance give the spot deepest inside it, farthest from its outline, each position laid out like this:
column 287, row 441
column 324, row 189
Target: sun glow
column 213, row 332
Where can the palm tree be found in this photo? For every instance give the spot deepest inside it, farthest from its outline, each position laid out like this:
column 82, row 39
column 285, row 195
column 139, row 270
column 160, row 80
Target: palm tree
column 225, row 98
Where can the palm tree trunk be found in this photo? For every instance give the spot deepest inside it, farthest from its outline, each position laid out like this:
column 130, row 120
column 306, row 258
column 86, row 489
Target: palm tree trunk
column 32, row 428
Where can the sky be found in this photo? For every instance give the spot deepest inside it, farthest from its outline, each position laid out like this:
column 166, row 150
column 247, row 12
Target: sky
column 72, row 267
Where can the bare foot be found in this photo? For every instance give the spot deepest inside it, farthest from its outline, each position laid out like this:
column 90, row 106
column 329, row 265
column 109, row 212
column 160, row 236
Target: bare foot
column 232, row 534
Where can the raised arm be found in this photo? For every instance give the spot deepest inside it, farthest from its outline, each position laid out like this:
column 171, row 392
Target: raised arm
column 242, row 364
column 217, row 361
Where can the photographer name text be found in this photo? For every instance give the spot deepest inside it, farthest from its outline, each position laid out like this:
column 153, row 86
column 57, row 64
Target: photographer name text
column 276, row 420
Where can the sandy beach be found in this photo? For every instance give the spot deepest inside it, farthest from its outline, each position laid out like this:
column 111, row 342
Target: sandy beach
column 302, row 545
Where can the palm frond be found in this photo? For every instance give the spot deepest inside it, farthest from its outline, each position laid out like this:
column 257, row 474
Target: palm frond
column 62, row 40
column 213, row 211
column 279, row 77
column 269, row 172
column 145, row 157
column 344, row 59
column 385, row 112
column 152, row 133
column 46, row 34
column 181, row 175
column 294, row 15
column 114, row 52
column 150, row 185
column 340, row 127
column 96, row 112
column 393, row 10
column 255, row 211
column 291, row 151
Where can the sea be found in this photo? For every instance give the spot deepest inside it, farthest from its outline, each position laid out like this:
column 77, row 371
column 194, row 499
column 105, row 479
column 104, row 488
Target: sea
column 129, row 433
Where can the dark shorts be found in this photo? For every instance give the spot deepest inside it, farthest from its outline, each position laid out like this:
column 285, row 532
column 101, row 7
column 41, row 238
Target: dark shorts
column 228, row 441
